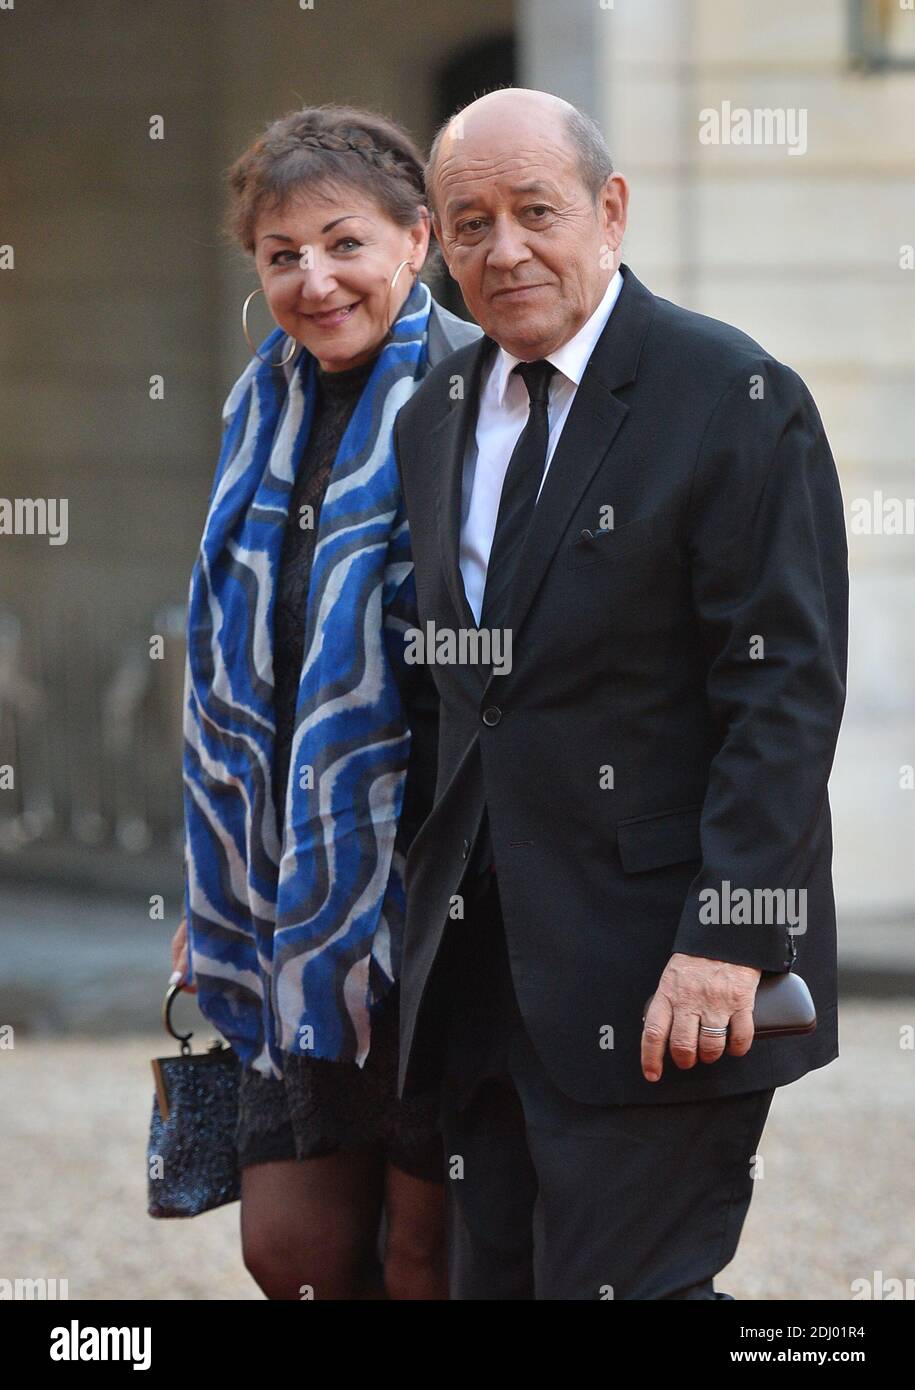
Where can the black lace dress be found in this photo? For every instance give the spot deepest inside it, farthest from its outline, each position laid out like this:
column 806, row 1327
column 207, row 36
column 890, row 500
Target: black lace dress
column 321, row 1106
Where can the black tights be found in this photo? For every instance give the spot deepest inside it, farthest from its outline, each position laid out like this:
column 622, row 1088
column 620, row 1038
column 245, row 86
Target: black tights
column 309, row 1228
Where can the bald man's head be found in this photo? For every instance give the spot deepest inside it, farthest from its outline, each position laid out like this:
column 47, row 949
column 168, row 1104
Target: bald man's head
column 583, row 135
column 529, row 215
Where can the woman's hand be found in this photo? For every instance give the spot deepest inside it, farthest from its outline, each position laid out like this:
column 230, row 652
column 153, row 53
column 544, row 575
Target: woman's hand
column 180, row 962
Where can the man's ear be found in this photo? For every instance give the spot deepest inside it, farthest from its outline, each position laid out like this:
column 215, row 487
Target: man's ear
column 437, row 229
column 615, row 200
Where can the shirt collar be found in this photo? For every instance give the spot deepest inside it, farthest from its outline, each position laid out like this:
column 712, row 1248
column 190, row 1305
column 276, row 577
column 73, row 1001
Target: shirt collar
column 572, row 357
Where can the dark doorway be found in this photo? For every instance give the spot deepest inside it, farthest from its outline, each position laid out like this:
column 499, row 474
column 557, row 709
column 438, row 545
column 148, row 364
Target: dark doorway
column 467, row 75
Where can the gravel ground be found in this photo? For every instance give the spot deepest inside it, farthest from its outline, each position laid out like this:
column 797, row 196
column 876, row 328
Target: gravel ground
column 835, row 1203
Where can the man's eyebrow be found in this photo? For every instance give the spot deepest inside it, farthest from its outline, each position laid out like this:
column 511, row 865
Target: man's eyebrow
column 459, row 205
column 278, row 236
column 533, row 186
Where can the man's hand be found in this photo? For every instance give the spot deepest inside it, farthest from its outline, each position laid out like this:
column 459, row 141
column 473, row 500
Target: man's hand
column 694, row 991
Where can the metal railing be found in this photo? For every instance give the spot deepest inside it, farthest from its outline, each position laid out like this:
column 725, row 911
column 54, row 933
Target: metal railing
column 90, row 732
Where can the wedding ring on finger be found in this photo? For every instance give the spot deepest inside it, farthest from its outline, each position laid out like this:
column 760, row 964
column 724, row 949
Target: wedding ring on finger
column 713, row 1032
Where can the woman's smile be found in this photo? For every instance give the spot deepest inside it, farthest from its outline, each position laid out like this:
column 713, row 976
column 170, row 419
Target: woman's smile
column 332, row 318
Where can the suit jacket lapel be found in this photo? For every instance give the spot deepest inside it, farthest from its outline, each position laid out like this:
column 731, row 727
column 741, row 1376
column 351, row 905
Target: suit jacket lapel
column 588, row 435
column 449, row 440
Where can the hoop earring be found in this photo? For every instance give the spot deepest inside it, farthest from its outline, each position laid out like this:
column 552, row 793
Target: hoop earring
column 393, row 283
column 397, row 273
column 244, row 328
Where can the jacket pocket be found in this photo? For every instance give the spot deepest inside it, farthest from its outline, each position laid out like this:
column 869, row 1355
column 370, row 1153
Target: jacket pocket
column 612, row 543
column 651, row 842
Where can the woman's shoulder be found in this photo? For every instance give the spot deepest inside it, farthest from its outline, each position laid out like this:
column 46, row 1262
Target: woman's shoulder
column 448, row 332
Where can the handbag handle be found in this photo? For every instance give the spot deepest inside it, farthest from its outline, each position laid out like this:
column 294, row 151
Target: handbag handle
column 183, row 1038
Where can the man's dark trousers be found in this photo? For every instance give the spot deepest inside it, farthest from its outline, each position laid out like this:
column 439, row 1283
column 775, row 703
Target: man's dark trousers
column 551, row 1199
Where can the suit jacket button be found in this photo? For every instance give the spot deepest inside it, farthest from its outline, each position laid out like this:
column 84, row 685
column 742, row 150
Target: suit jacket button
column 492, row 715
column 465, row 849
column 587, row 535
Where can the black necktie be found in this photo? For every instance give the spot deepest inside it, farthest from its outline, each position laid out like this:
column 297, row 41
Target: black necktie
column 519, row 493
column 516, row 505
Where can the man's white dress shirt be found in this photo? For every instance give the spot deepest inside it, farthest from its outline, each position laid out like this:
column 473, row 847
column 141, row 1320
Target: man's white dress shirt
column 502, row 415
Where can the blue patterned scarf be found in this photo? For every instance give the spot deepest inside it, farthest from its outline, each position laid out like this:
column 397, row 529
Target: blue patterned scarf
column 294, row 930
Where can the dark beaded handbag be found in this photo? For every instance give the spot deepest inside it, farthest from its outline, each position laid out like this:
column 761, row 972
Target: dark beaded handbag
column 192, row 1162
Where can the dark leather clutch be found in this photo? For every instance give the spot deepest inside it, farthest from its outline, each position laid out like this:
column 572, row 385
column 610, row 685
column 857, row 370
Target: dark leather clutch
column 783, row 1007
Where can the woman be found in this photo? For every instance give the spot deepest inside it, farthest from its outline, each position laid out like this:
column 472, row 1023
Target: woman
column 298, row 803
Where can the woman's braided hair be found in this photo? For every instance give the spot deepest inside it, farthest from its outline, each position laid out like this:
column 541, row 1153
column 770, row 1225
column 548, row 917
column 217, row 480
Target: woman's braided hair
column 322, row 147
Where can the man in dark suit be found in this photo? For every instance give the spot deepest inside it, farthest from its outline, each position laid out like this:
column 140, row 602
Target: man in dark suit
column 644, row 502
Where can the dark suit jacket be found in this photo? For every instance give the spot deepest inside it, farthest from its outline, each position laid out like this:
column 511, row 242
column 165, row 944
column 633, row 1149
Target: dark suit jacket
column 446, row 334
column 635, row 649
